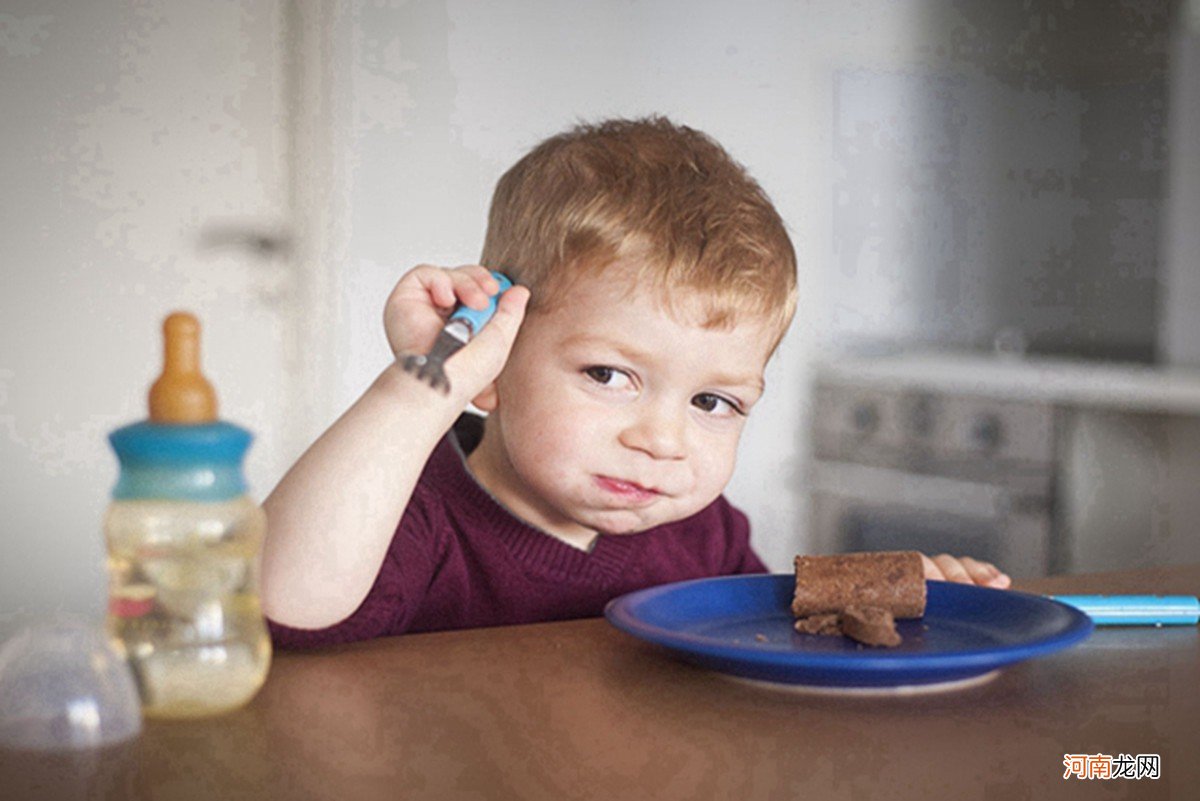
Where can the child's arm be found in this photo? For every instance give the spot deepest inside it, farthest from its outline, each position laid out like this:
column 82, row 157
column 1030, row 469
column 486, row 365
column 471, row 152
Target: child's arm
column 332, row 516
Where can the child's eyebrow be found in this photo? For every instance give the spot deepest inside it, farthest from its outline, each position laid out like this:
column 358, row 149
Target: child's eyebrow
column 627, row 351
column 748, row 380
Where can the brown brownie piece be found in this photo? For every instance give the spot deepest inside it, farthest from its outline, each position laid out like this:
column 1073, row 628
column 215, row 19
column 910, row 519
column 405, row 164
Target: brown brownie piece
column 889, row 580
column 870, row 625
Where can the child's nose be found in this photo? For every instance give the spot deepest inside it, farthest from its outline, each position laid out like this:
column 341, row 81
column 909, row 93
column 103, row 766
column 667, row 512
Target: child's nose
column 655, row 430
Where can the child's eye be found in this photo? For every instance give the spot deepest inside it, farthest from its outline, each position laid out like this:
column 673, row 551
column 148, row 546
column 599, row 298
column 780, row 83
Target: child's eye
column 716, row 405
column 609, row 377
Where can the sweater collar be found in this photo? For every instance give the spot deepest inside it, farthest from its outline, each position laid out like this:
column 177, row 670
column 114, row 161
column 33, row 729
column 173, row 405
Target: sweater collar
column 529, row 545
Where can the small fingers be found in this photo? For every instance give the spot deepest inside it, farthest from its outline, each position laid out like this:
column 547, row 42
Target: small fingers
column 966, row 570
column 952, row 568
column 436, row 282
column 424, row 296
column 984, row 573
column 470, row 285
column 510, row 312
column 485, row 355
column 495, row 340
column 474, row 285
column 484, row 276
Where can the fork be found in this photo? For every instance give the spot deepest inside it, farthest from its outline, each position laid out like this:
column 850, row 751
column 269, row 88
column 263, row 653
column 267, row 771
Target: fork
column 463, row 324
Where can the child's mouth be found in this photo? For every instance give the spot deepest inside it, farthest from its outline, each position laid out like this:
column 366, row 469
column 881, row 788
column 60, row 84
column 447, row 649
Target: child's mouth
column 628, row 490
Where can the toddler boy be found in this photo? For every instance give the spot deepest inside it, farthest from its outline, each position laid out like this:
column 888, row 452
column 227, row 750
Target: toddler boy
column 659, row 279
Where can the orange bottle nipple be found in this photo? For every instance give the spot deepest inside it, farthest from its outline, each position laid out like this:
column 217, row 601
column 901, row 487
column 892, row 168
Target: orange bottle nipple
column 182, row 394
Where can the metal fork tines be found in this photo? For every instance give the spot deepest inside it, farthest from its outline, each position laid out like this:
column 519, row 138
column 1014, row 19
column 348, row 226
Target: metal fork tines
column 429, row 367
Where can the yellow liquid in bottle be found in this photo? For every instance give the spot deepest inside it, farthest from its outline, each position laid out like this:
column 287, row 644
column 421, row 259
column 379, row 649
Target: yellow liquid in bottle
column 184, row 604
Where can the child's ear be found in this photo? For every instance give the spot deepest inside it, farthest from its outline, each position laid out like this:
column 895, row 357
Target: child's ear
column 488, row 399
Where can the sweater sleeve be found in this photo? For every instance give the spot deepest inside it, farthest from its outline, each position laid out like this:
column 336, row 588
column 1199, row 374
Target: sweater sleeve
column 398, row 589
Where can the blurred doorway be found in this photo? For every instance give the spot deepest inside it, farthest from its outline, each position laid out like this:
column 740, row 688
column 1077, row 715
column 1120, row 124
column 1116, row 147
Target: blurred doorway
column 145, row 169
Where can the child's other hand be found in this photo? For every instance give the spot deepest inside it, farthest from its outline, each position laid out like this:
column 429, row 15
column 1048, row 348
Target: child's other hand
column 964, row 570
column 423, row 299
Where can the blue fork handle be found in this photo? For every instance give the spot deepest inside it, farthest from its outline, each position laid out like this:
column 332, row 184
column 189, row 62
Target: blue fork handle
column 477, row 318
column 1136, row 610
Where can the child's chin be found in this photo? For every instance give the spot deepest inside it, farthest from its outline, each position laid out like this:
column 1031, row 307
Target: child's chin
column 620, row 532
column 612, row 524
column 622, row 526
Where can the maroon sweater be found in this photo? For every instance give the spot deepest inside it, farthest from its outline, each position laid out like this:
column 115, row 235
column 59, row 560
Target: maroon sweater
column 459, row 559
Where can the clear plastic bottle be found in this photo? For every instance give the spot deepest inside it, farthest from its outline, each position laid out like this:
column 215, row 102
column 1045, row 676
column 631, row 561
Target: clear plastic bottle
column 183, row 547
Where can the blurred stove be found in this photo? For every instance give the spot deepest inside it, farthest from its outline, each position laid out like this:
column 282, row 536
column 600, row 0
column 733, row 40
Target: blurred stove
column 940, row 473
column 1039, row 465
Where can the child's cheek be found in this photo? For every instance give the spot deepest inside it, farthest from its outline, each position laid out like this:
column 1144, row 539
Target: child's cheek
column 554, row 440
column 715, row 467
column 717, row 478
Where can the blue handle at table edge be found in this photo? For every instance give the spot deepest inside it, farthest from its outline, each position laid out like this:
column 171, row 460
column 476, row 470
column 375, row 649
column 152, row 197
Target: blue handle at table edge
column 1136, row 610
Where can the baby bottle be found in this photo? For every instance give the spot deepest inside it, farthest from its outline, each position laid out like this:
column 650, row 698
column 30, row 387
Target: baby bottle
column 183, row 544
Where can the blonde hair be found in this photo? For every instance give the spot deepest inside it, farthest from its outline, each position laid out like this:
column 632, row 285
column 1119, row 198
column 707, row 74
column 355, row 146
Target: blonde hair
column 667, row 196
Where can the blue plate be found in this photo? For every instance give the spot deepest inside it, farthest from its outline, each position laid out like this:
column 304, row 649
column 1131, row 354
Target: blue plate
column 742, row 625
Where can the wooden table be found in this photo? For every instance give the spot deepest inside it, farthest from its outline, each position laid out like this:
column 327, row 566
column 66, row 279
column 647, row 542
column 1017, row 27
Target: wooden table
column 579, row 710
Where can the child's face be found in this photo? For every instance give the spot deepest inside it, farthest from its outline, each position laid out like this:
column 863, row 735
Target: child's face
column 612, row 416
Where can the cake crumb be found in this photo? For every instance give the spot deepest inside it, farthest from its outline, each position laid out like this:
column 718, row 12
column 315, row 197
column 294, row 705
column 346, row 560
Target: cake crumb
column 822, row 625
